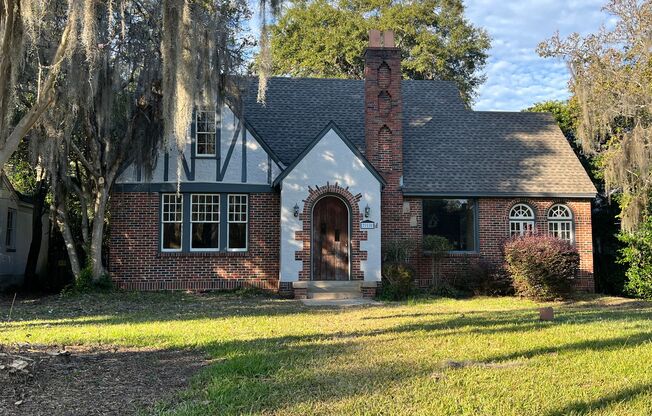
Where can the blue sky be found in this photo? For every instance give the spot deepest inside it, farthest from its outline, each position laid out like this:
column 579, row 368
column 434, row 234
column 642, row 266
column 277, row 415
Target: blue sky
column 516, row 76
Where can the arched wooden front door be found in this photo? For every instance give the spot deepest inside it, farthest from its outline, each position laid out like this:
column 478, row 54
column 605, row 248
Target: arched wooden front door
column 330, row 239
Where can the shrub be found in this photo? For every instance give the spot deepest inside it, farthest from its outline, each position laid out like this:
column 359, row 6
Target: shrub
column 397, row 281
column 487, row 278
column 541, row 267
column 637, row 254
column 437, row 247
column 85, row 283
column 397, row 251
column 448, row 290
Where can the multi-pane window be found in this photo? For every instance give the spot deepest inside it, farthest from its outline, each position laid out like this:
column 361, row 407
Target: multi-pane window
column 560, row 222
column 205, row 219
column 171, row 219
column 453, row 219
column 521, row 220
column 205, row 128
column 10, row 238
column 237, row 222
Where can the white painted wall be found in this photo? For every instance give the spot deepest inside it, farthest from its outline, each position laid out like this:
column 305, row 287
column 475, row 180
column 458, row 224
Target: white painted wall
column 205, row 168
column 330, row 160
column 12, row 263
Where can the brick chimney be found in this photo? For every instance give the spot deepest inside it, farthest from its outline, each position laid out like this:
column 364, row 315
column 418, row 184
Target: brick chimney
column 384, row 129
column 383, row 112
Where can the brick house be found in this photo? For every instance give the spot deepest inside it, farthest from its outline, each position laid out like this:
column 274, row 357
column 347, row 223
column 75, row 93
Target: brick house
column 310, row 186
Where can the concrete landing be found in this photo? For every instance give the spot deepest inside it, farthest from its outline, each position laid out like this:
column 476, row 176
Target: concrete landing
column 334, row 290
column 339, row 302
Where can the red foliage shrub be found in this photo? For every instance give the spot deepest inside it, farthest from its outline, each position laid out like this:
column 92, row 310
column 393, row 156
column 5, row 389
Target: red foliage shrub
column 542, row 267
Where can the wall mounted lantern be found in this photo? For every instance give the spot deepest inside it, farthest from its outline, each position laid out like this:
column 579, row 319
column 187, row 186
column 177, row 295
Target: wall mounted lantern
column 367, row 211
column 296, row 210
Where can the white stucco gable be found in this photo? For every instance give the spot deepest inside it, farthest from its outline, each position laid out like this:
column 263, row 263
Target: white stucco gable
column 331, row 159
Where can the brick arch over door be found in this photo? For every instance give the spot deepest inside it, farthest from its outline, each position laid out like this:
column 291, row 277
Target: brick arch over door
column 305, row 235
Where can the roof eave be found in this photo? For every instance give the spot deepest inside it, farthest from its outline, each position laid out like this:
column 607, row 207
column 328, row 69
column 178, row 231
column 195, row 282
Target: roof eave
column 568, row 195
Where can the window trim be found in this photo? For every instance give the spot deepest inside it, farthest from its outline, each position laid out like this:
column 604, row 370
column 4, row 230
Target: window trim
column 219, row 223
column 570, row 219
column 10, row 230
column 521, row 220
column 476, row 223
column 197, row 132
column 228, row 222
column 162, row 230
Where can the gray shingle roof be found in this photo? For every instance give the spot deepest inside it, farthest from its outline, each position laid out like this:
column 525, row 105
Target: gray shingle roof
column 447, row 149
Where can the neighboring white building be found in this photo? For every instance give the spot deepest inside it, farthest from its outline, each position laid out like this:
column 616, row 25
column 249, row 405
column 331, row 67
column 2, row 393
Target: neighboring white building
column 16, row 235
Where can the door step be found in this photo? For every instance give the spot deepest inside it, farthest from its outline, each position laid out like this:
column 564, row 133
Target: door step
column 326, row 290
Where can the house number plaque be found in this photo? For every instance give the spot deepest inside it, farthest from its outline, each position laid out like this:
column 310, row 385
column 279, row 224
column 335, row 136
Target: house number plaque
column 367, row 225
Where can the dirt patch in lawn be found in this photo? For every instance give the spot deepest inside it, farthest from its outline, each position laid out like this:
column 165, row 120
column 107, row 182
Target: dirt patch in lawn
column 38, row 380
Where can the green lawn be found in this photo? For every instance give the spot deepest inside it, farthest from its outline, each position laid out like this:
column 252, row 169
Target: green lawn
column 483, row 356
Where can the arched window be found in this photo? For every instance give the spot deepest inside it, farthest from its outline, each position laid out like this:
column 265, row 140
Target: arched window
column 521, row 220
column 560, row 222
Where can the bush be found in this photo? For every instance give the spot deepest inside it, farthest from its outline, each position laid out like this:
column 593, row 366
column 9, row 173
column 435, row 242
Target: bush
column 637, row 254
column 542, row 267
column 85, row 283
column 397, row 251
column 397, row 281
column 448, row 290
column 437, row 245
column 487, row 278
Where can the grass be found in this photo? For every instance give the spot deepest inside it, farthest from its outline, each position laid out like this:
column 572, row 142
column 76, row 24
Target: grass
column 482, row 356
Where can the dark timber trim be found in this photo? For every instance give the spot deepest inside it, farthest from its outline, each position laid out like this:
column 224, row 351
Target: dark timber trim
column 166, row 167
column 208, row 187
column 234, row 141
column 218, row 139
column 244, row 155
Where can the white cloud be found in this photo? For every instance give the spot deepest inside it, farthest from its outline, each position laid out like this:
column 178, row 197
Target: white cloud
column 516, row 76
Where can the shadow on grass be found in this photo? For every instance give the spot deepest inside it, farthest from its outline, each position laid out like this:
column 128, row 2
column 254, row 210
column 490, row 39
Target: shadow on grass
column 272, row 374
column 134, row 308
column 587, row 345
column 622, row 396
column 269, row 375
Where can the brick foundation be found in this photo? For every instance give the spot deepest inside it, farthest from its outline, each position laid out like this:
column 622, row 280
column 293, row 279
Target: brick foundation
column 136, row 263
column 369, row 289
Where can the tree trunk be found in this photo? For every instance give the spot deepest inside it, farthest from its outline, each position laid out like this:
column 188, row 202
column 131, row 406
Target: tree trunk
column 97, row 234
column 63, row 223
column 37, row 235
column 60, row 214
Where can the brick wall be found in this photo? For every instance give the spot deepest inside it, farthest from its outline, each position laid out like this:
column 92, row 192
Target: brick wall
column 493, row 228
column 135, row 261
